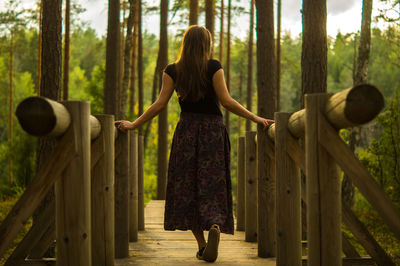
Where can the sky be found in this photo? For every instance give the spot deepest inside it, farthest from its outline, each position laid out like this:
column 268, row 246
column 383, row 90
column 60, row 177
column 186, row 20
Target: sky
column 343, row 16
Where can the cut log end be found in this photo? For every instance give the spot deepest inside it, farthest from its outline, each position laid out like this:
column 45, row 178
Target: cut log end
column 36, row 116
column 364, row 102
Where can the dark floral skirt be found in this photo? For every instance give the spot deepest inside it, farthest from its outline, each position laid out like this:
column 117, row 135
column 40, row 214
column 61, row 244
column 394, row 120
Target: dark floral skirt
column 199, row 190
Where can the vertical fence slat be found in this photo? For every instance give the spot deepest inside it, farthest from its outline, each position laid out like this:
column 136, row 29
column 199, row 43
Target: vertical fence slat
column 266, row 195
column 141, row 183
column 240, row 188
column 73, row 210
column 122, row 196
column 251, row 188
column 133, row 187
column 288, row 200
column 323, row 192
column 103, row 243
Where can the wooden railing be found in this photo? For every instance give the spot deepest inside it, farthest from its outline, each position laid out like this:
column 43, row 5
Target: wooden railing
column 98, row 177
column 323, row 151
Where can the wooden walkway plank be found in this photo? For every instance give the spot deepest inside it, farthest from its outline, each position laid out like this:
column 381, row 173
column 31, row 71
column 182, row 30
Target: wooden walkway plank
column 157, row 246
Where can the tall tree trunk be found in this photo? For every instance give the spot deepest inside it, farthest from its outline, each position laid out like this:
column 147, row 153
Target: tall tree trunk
column 360, row 76
column 241, row 74
column 153, row 98
column 50, row 78
column 132, row 84
column 365, row 44
column 193, row 12
column 140, row 62
column 210, row 20
column 10, row 118
column 163, row 117
column 66, row 49
column 113, row 49
column 123, row 25
column 221, row 33
column 250, row 65
column 39, row 55
column 278, row 56
column 127, row 58
column 266, row 82
column 228, row 62
column 314, row 49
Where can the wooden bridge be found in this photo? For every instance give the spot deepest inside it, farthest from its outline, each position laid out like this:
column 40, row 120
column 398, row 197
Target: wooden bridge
column 159, row 247
column 98, row 215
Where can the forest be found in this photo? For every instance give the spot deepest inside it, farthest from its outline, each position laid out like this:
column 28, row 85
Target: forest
column 142, row 57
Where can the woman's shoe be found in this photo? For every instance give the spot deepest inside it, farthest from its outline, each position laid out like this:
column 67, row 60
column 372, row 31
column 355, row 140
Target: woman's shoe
column 199, row 254
column 210, row 253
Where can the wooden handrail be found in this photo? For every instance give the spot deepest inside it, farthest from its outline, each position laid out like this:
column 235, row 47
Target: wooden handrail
column 40, row 116
column 350, row 107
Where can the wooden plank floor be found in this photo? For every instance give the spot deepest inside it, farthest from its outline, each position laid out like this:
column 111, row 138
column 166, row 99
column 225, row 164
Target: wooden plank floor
column 159, row 247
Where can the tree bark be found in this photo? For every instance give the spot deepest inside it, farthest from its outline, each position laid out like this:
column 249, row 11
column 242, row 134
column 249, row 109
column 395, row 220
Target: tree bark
column 266, row 83
column 193, row 12
column 113, row 49
column 140, row 62
column 360, row 77
column 50, row 79
column 163, row 117
column 210, row 20
column 153, row 98
column 66, row 49
column 221, row 33
column 278, row 56
column 314, row 49
column 39, row 54
column 127, row 58
column 228, row 62
column 132, row 85
column 250, row 65
column 10, row 118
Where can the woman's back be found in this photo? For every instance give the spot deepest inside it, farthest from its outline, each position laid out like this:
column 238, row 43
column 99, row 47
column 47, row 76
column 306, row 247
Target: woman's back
column 209, row 104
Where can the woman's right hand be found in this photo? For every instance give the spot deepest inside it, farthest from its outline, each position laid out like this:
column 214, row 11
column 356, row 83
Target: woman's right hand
column 263, row 121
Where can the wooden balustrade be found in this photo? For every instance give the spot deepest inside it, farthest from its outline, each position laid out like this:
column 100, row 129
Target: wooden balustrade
column 84, row 172
column 105, row 176
column 325, row 116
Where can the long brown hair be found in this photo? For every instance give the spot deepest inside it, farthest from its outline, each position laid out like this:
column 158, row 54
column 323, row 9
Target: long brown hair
column 191, row 66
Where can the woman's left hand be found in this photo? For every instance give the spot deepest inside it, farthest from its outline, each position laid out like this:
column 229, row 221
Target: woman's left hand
column 124, row 125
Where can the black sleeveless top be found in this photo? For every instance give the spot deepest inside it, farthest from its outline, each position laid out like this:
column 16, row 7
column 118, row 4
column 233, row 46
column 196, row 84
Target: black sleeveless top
column 210, row 103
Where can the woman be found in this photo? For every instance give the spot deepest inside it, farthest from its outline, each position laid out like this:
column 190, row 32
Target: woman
column 199, row 194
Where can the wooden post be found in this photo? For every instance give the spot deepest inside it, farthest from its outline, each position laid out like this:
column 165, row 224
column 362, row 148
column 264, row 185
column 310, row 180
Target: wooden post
column 266, row 195
column 103, row 242
column 288, row 198
column 241, row 175
column 141, row 183
column 122, row 196
column 251, row 188
column 133, row 187
column 73, row 215
column 323, row 192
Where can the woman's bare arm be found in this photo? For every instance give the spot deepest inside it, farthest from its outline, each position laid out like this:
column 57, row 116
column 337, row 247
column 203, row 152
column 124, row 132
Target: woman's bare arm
column 167, row 89
column 229, row 103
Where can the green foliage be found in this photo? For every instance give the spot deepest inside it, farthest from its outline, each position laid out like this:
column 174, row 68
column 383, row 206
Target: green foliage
column 382, row 157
